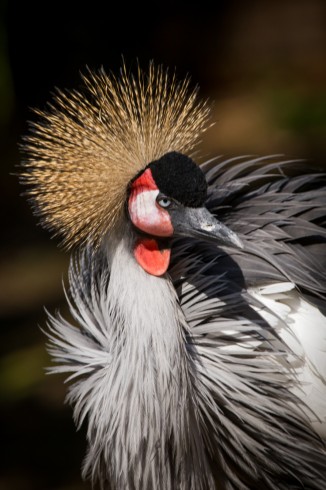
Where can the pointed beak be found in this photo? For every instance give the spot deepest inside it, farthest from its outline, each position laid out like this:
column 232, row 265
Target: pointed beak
column 200, row 223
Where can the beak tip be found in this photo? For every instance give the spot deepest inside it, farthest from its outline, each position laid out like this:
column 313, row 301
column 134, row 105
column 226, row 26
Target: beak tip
column 231, row 239
column 238, row 242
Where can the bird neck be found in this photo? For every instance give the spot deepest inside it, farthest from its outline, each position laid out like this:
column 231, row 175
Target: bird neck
column 152, row 405
column 146, row 303
column 147, row 318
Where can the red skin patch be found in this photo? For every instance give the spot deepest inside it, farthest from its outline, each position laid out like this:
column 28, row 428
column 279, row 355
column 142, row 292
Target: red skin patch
column 150, row 218
column 144, row 182
column 144, row 211
column 150, row 257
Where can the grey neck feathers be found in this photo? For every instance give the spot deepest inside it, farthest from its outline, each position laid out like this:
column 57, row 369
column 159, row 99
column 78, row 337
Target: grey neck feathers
column 143, row 422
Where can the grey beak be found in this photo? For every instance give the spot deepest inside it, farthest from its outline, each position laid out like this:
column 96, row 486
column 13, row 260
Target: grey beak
column 200, row 223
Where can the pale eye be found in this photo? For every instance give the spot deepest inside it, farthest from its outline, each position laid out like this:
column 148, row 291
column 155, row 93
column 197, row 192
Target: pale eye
column 164, row 202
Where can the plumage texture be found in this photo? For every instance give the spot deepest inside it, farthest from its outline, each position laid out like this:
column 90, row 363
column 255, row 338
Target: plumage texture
column 233, row 414
column 89, row 144
column 178, row 177
column 191, row 381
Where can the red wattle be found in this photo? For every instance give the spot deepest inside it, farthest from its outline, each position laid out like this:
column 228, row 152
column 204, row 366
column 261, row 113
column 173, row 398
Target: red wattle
column 150, row 257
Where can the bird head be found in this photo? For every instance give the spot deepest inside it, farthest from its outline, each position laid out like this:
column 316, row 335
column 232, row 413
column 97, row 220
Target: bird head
column 122, row 143
column 167, row 200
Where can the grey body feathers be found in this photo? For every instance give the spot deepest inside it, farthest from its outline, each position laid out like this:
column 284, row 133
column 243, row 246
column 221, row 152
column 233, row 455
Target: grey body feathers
column 184, row 381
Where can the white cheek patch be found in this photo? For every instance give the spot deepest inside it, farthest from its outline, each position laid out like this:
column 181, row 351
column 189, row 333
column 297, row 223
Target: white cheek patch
column 146, row 214
column 142, row 207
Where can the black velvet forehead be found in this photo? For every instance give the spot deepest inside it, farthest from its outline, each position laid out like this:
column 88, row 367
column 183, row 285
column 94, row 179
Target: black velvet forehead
column 178, row 176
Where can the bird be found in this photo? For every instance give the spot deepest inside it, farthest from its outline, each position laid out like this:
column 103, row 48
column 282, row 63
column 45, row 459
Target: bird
column 196, row 352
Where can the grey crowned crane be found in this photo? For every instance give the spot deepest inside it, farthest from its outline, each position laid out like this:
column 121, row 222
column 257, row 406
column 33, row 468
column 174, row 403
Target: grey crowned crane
column 198, row 353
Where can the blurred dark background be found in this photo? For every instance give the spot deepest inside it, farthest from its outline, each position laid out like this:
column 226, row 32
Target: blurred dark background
column 263, row 66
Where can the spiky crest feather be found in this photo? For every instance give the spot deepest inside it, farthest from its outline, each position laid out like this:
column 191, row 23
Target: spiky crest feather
column 89, row 144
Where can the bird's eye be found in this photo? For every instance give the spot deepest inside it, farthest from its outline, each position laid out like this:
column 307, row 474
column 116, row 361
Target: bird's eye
column 164, row 202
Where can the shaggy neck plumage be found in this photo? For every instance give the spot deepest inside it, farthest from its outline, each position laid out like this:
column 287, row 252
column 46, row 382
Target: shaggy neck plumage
column 144, row 410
